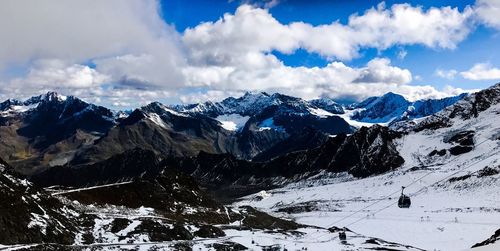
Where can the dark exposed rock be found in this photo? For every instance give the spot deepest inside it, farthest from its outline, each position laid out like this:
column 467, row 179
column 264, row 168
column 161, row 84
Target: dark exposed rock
column 459, row 178
column 441, row 152
column 158, row 232
column 130, row 164
column 302, row 207
column 259, row 220
column 457, row 150
column 366, row 152
column 463, row 141
column 284, row 116
column 119, row 224
column 432, row 123
column 29, row 215
column 488, row 171
column 465, row 138
column 228, row 246
column 55, row 119
column 51, row 131
column 335, row 229
column 208, row 231
column 307, row 139
column 494, row 238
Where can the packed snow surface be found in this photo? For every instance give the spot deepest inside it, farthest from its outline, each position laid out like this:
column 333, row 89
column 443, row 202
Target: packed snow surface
column 320, row 112
column 232, row 122
column 445, row 214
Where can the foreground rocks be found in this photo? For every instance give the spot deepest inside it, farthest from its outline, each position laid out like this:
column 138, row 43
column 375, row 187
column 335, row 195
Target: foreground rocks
column 29, row 215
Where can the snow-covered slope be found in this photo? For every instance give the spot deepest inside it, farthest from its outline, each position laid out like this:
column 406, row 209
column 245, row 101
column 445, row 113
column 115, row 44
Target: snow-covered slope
column 451, row 172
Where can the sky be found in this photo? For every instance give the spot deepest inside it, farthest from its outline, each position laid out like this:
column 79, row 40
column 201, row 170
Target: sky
column 126, row 53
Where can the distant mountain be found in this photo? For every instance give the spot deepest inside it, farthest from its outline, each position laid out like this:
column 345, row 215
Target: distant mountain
column 394, row 107
column 262, row 120
column 468, row 107
column 328, row 105
column 244, row 127
column 48, row 129
column 268, row 108
column 52, row 130
column 162, row 130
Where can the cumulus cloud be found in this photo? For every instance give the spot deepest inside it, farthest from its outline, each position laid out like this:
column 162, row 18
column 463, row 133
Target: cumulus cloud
column 335, row 80
column 136, row 57
column 78, row 31
column 379, row 71
column 56, row 74
column 402, row 24
column 488, row 12
column 482, row 71
column 447, row 74
column 212, row 95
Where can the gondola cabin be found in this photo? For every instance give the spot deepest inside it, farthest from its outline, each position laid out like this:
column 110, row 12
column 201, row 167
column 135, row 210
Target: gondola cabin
column 404, row 200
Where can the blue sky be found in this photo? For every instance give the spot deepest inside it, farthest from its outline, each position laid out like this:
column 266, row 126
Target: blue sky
column 124, row 54
column 482, row 45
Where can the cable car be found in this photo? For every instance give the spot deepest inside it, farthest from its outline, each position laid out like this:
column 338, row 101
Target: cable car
column 404, row 200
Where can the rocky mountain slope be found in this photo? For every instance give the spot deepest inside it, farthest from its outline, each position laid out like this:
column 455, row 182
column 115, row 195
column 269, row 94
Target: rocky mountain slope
column 52, row 130
column 112, row 194
column 29, row 215
column 168, row 211
column 48, row 129
column 369, row 151
column 451, row 173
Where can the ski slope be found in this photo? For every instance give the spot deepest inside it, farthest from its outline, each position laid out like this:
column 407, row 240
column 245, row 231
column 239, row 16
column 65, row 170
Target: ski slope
column 444, row 215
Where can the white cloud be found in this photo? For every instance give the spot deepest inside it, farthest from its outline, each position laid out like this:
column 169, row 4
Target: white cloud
column 212, row 95
column 77, row 31
column 233, row 53
column 57, row 74
column 335, row 80
column 252, row 30
column 482, row 71
column 144, row 59
column 447, row 74
column 379, row 70
column 402, row 53
column 261, row 3
column 488, row 12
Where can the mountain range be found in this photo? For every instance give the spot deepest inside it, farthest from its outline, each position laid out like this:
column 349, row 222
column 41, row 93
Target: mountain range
column 227, row 175
column 51, row 130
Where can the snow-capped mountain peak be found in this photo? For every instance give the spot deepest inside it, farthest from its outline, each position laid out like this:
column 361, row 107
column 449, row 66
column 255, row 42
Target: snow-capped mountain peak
column 392, row 107
column 328, row 105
